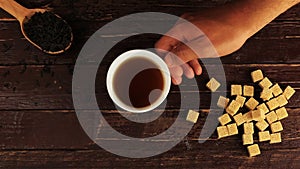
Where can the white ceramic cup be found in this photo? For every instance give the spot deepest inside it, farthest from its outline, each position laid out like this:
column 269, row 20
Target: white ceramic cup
column 155, row 59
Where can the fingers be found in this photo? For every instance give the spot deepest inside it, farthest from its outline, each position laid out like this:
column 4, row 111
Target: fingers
column 180, row 55
column 188, row 71
column 176, row 74
column 173, row 60
column 196, row 66
column 176, row 80
column 176, row 71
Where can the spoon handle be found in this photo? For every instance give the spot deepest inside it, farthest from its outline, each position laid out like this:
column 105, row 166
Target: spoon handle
column 15, row 9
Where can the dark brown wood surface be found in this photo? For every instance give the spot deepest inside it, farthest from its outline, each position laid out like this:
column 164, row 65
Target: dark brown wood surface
column 38, row 124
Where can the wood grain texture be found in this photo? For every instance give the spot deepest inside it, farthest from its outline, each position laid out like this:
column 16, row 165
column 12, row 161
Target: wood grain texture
column 32, row 141
column 98, row 10
column 38, row 124
column 49, row 87
column 60, row 130
column 101, row 159
column 281, row 37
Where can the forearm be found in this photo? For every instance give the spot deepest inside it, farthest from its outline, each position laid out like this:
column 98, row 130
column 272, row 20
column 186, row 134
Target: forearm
column 252, row 15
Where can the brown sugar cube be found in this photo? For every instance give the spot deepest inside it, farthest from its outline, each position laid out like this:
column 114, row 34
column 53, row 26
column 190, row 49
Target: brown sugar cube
column 258, row 115
column 213, row 84
column 263, row 136
column 273, row 104
column 233, row 107
column 288, row 92
column 262, row 125
column 222, row 131
column 251, row 103
column 266, row 94
column 224, row 119
column 241, row 100
column 263, row 108
column 281, row 113
column 192, row 116
column 232, row 129
column 265, row 83
column 248, row 116
column 239, row 119
column 248, row 128
column 247, row 139
column 223, row 102
column 253, row 150
column 248, row 91
column 257, row 75
column 276, row 90
column 275, row 138
column 236, row 90
column 276, row 127
column 271, row 117
column 282, row 101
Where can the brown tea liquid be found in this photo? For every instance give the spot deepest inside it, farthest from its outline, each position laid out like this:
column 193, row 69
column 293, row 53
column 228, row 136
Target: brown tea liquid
column 138, row 82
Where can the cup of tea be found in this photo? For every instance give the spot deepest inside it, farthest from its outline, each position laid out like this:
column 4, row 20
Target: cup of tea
column 138, row 81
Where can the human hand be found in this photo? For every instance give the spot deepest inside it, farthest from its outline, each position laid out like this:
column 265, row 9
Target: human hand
column 181, row 59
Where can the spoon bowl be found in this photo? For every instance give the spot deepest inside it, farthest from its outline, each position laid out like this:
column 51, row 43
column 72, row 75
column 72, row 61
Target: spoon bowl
column 23, row 15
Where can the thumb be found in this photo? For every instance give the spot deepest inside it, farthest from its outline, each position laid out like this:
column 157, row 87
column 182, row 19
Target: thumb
column 185, row 52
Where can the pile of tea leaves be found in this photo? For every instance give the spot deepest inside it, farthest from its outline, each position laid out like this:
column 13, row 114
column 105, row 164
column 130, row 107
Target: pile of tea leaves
column 48, row 31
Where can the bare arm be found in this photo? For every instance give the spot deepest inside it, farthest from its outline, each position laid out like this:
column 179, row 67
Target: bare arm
column 227, row 27
column 253, row 15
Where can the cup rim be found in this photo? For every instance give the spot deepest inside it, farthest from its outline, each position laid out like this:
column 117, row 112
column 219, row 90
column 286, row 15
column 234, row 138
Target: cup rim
column 132, row 54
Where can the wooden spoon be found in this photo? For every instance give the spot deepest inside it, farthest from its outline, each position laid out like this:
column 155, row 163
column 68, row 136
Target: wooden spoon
column 23, row 14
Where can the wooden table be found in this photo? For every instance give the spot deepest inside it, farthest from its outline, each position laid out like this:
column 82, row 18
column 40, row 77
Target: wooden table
column 38, row 124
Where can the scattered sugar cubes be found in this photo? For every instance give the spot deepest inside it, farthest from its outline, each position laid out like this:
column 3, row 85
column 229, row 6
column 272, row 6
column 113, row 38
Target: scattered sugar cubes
column 248, row 128
column 263, row 108
column 266, row 115
column 282, row 101
column 276, row 127
column 241, row 100
column 266, row 94
column 276, row 90
column 248, row 91
column 223, row 102
column 271, row 117
column 213, row 85
column 232, row 129
column 275, row 138
column 233, row 108
column 273, row 104
column 263, row 136
column 247, row 139
column 251, row 103
column 222, row 131
column 248, row 116
column 236, row 90
column 257, row 75
column 281, row 113
column 192, row 116
column 239, row 119
column 262, row 125
column 258, row 115
column 224, row 119
column 288, row 92
column 265, row 83
column 253, row 150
